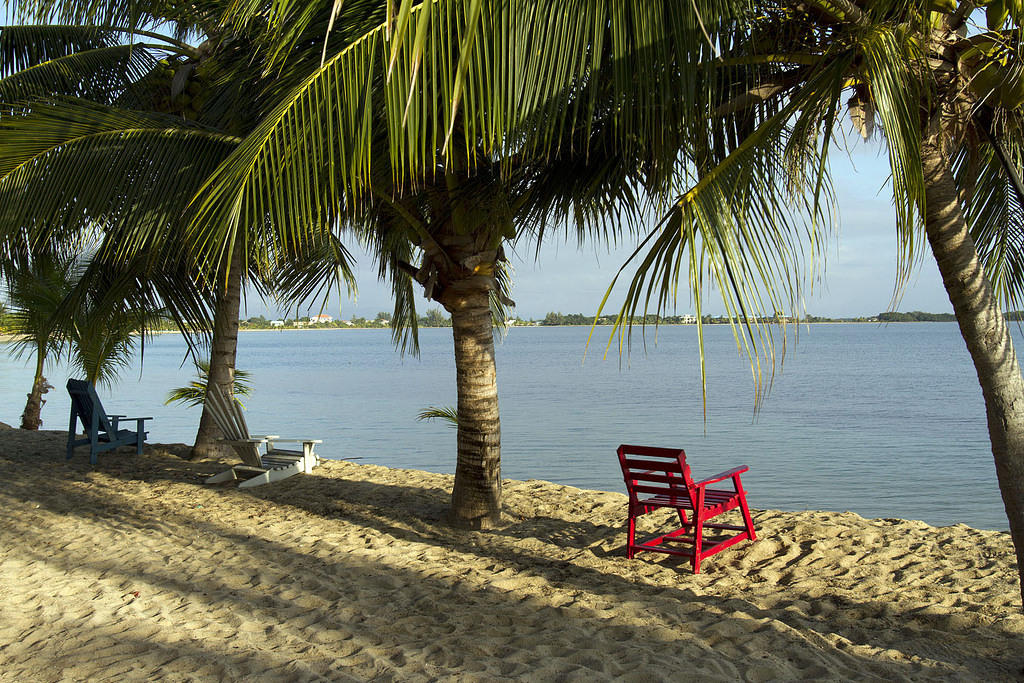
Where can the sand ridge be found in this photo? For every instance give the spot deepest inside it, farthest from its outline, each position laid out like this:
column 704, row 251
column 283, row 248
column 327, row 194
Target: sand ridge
column 132, row 570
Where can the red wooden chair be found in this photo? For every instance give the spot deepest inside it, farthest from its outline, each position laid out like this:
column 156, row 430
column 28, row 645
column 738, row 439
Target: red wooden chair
column 660, row 478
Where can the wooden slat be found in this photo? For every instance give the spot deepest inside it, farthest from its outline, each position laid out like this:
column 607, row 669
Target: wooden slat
column 658, row 465
column 278, row 461
column 663, row 478
column 667, row 502
column 650, row 451
column 657, row 489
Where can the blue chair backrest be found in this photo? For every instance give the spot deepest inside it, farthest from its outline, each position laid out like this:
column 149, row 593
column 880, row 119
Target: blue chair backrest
column 84, row 400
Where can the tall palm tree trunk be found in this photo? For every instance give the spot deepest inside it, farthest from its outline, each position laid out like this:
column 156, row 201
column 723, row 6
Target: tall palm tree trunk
column 985, row 331
column 223, row 349
column 476, row 497
column 31, row 418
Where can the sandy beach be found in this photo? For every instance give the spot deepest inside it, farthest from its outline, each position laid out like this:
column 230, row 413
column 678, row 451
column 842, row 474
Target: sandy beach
column 133, row 570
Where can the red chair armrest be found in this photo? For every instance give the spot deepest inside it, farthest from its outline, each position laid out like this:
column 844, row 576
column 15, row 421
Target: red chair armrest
column 735, row 471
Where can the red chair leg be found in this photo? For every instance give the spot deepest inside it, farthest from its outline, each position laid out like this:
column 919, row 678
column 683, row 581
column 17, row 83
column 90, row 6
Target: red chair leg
column 698, row 538
column 631, row 537
column 747, row 520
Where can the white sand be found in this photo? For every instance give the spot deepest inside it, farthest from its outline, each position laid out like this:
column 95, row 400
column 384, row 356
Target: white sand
column 132, row 570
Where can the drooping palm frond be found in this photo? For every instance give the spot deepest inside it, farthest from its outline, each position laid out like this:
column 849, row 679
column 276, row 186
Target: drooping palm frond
column 746, row 227
column 531, row 70
column 35, row 292
column 500, row 302
column 26, row 46
column 101, row 74
column 321, row 265
column 52, row 157
column 995, row 213
column 393, row 254
column 103, row 314
column 892, row 64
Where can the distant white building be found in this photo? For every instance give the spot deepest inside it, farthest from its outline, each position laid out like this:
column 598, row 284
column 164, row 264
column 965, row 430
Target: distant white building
column 689, row 320
column 277, row 323
column 321, row 318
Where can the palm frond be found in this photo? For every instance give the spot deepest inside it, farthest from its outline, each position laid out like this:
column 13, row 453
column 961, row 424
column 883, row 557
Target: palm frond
column 745, row 229
column 125, row 14
column 52, row 157
column 892, row 62
column 194, row 394
column 995, row 215
column 101, row 74
column 531, row 67
column 447, row 413
column 25, row 46
column 320, row 265
column 35, row 292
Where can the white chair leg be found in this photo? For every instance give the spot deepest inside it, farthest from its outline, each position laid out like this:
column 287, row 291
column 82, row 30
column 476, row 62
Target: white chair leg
column 308, row 458
column 229, row 475
column 270, row 476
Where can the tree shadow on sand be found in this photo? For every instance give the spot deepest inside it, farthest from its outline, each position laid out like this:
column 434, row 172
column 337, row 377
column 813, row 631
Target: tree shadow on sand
column 541, row 595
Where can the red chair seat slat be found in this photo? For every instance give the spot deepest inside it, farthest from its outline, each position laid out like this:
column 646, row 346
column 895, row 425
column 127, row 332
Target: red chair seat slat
column 660, row 478
column 662, row 490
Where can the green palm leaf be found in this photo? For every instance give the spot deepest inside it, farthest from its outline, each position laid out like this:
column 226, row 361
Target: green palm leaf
column 51, row 157
column 195, row 393
column 447, row 414
column 26, row 46
column 100, row 74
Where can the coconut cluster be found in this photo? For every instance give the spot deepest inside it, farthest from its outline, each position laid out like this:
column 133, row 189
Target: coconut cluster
column 179, row 88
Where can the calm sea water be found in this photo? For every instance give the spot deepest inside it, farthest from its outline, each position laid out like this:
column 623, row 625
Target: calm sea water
column 886, row 421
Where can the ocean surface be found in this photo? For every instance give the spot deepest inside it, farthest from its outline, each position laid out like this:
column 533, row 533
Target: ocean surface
column 886, row 421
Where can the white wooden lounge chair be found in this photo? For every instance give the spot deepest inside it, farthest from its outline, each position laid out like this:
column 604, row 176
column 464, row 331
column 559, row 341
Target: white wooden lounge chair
column 259, row 467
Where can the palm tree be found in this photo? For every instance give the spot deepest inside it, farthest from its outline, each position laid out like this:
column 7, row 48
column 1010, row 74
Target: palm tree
column 35, row 293
column 61, row 305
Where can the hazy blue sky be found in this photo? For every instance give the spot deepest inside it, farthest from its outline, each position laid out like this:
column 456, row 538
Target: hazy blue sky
column 859, row 278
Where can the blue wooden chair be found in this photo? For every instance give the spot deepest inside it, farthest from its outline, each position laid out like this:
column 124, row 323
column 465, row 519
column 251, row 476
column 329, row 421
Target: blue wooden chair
column 101, row 430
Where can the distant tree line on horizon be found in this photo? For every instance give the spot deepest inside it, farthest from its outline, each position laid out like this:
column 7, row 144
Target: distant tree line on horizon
column 435, row 317
column 558, row 318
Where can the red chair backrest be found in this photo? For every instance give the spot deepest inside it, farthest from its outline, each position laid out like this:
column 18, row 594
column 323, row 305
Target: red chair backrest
column 655, row 471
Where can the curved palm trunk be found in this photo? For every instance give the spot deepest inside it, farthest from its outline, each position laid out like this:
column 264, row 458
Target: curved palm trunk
column 985, row 331
column 476, row 497
column 223, row 349
column 31, row 418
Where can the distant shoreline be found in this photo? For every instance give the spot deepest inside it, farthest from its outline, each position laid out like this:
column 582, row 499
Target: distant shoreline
column 4, row 338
